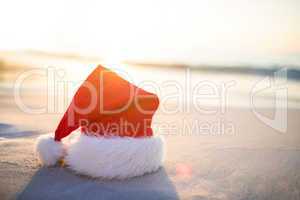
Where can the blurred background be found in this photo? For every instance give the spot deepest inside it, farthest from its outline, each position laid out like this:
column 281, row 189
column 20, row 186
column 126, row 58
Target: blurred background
column 219, row 41
column 258, row 32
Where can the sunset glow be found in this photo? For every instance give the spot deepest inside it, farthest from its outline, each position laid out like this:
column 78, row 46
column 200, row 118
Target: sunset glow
column 176, row 31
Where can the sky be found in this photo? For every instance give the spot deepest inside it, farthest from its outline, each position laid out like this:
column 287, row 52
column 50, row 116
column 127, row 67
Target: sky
column 194, row 32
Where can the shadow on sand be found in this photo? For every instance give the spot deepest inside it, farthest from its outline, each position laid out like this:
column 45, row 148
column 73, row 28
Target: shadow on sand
column 60, row 183
column 8, row 131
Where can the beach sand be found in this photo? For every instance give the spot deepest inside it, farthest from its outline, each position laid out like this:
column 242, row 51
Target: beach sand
column 255, row 162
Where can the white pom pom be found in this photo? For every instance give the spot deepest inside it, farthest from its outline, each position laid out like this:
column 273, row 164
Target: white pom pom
column 49, row 150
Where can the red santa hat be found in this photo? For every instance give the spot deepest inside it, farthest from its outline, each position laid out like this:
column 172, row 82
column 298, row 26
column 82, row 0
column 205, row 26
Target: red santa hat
column 116, row 139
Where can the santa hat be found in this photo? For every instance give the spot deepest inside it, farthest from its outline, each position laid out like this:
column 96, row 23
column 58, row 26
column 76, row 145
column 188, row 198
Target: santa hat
column 116, row 139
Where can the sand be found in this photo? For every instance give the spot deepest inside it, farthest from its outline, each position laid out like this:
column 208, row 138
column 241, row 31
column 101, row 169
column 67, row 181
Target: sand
column 255, row 162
